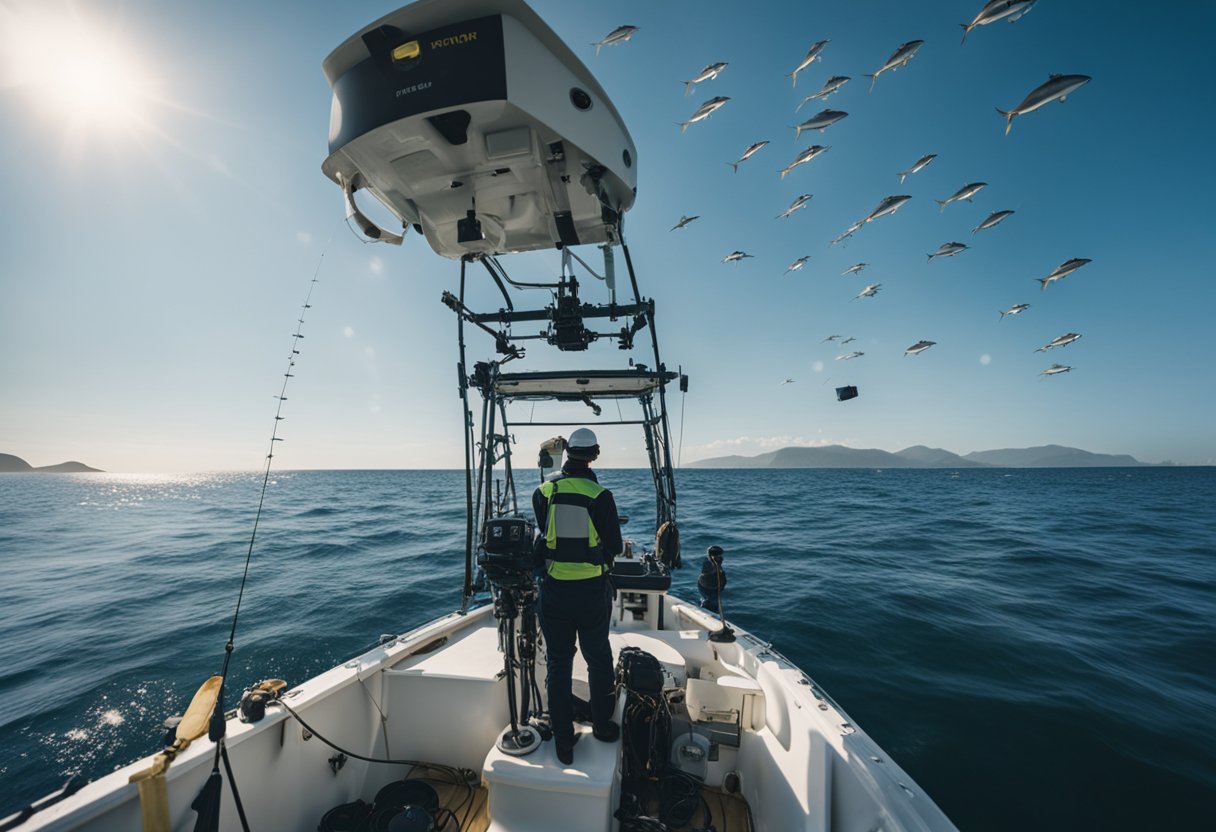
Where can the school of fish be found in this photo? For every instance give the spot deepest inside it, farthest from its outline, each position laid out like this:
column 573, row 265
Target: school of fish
column 1057, row 87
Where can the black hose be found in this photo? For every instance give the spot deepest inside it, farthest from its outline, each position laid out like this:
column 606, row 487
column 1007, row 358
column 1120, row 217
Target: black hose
column 458, row 774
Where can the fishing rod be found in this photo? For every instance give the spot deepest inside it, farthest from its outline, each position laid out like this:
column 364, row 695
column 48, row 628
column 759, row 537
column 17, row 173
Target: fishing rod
column 207, row 804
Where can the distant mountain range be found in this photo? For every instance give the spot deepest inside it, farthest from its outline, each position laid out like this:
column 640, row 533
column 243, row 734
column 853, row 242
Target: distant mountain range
column 919, row 456
column 10, row 464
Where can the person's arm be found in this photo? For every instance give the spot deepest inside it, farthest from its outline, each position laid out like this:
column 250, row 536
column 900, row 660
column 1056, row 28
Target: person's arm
column 608, row 524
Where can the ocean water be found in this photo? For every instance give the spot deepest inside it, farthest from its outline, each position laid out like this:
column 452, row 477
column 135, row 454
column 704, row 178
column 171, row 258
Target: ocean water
column 1037, row 648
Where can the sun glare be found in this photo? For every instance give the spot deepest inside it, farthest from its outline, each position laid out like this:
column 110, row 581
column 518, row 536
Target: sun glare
column 80, row 74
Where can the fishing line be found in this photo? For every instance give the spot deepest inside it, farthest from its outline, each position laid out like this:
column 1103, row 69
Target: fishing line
column 216, row 729
column 274, row 437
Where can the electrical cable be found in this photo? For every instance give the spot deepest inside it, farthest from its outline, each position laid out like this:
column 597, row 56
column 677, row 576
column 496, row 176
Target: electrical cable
column 459, row 775
column 518, row 284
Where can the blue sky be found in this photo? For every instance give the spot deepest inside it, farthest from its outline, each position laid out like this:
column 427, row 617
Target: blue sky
column 156, row 244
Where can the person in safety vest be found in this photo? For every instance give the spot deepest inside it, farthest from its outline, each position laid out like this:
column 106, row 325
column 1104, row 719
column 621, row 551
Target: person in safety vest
column 580, row 535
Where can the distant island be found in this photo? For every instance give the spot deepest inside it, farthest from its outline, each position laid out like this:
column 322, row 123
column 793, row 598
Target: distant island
column 919, row 456
column 10, row 464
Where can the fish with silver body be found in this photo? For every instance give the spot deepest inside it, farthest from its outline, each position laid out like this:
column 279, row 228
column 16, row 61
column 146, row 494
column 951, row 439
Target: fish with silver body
column 787, row 381
column 947, row 250
column 829, row 86
column 965, row 192
column 804, row 157
column 708, row 74
column 995, row 10
column 1062, row 271
column 1056, row 86
column 849, row 356
column 831, row 338
column 704, row 111
column 899, row 57
column 798, row 264
column 821, row 121
column 889, row 205
column 1055, row 370
column 993, row 220
column 854, row 269
column 812, row 55
column 919, row 347
column 848, row 340
column 752, row 150
column 618, row 35
column 920, row 163
column 684, row 221
column 800, row 202
column 868, row 292
column 848, row 232
column 1062, row 341
column 1016, row 309
column 735, row 257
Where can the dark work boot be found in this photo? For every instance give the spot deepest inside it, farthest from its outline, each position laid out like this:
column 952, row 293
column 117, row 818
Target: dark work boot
column 608, row 731
column 565, row 753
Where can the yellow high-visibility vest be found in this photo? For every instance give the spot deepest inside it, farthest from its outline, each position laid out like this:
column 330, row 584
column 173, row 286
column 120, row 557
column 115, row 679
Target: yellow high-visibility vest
column 570, row 534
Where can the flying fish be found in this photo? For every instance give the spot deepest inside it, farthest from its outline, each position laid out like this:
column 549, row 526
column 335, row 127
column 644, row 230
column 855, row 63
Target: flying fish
column 919, row 347
column 704, row 111
column 965, row 192
column 849, row 356
column 848, row 340
column 618, row 35
column 993, row 219
column 751, row 151
column 735, row 257
column 889, row 205
column 1055, row 370
column 798, row 264
column 812, row 55
column 1062, row 271
column 794, row 206
column 1057, row 86
column 848, row 232
column 831, row 338
column 804, row 157
column 1063, row 341
column 684, row 221
column 1015, row 309
column 820, row 121
column 829, row 86
column 787, row 381
column 947, row 250
column 899, row 57
column 995, row 10
column 708, row 74
column 854, row 269
column 920, row 163
column 868, row 292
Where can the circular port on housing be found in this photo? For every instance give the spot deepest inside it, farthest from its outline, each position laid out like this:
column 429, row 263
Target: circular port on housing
column 580, row 99
column 627, row 158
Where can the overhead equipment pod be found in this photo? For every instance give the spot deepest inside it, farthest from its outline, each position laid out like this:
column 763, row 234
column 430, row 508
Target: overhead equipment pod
column 471, row 121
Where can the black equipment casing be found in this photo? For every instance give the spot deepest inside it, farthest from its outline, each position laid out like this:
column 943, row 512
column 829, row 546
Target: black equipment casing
column 507, row 548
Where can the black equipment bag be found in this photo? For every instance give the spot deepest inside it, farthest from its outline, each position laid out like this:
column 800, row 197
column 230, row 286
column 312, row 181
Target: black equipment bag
column 638, row 672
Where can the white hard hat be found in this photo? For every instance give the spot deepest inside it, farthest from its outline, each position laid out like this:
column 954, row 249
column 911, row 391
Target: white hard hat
column 582, row 438
column 583, row 445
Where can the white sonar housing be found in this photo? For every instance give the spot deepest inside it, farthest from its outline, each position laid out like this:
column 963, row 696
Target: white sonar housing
column 447, row 107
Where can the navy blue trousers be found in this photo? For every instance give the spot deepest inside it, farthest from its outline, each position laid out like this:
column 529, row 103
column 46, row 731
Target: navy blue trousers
column 583, row 609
